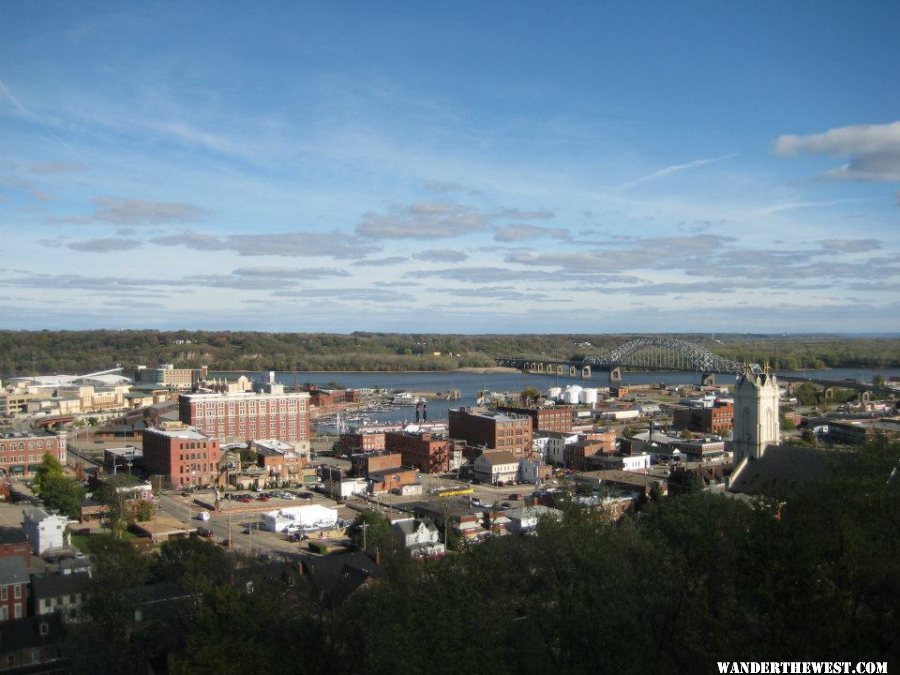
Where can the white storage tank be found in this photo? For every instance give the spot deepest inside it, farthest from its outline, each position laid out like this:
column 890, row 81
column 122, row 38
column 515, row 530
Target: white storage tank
column 572, row 394
column 589, row 396
column 554, row 392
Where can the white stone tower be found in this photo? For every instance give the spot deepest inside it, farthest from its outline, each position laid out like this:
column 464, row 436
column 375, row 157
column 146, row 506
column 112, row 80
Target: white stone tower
column 756, row 421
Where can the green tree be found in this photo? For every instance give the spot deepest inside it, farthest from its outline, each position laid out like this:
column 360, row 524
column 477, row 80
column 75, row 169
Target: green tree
column 196, row 562
column 144, row 511
column 49, row 468
column 878, row 380
column 372, row 529
column 105, row 644
column 64, row 494
column 807, row 394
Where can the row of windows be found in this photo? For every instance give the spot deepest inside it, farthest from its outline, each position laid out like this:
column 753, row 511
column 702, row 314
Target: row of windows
column 193, row 455
column 17, row 592
column 20, row 445
column 17, row 612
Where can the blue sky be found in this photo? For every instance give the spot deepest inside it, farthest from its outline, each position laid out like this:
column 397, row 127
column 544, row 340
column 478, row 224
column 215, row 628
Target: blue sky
column 455, row 167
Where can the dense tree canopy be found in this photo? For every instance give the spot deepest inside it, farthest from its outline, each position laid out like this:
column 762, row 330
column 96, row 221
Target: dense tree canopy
column 26, row 353
column 811, row 573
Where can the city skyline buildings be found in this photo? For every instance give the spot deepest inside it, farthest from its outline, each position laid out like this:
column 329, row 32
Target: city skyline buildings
column 510, row 168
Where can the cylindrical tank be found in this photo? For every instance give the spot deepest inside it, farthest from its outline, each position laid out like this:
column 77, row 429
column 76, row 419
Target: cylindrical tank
column 588, row 396
column 572, row 393
column 554, row 392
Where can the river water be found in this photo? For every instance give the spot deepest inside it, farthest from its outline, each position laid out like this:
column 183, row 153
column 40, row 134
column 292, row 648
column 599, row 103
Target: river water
column 470, row 384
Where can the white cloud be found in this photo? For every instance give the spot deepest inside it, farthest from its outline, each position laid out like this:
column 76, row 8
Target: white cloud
column 874, row 150
column 441, row 255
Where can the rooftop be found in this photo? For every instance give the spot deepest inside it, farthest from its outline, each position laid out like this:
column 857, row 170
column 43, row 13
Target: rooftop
column 13, row 570
column 187, row 433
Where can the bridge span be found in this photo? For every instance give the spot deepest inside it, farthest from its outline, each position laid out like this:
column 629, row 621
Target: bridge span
column 655, row 352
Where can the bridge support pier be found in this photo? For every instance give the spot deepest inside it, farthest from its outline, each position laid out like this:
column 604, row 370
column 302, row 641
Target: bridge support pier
column 709, row 380
column 615, row 376
column 586, row 373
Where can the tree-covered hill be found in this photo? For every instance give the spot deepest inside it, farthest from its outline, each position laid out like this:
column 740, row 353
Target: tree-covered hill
column 44, row 352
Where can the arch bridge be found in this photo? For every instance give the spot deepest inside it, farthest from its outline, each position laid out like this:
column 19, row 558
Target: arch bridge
column 643, row 353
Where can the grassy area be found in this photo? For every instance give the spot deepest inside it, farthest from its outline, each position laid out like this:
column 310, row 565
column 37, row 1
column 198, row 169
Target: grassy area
column 83, row 541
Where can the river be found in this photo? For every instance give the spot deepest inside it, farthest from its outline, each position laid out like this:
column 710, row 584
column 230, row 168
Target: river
column 470, row 384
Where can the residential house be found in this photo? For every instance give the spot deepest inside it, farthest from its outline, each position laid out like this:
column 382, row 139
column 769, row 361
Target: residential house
column 46, row 531
column 419, row 536
column 14, row 582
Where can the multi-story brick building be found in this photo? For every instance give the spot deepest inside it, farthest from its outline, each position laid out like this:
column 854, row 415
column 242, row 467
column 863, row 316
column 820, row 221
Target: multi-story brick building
column 168, row 376
column 14, row 584
column 555, row 418
column 712, row 420
column 280, row 460
column 22, row 453
column 363, row 465
column 357, row 442
column 249, row 416
column 184, row 456
column 493, row 430
column 423, row 450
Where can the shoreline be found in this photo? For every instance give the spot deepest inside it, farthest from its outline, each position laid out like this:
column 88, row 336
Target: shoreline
column 475, row 370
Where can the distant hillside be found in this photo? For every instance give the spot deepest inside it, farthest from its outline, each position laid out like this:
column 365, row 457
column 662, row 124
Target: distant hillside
column 43, row 352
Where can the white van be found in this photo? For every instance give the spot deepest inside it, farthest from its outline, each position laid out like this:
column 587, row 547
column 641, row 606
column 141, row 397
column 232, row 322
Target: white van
column 203, row 515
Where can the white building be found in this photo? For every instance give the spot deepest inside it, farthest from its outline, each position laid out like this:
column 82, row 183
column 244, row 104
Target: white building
column 756, row 421
column 556, row 445
column 624, row 463
column 46, row 531
column 419, row 537
column 526, row 518
column 496, row 466
column 310, row 515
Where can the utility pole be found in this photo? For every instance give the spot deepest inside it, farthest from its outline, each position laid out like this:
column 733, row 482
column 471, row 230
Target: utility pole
column 364, row 527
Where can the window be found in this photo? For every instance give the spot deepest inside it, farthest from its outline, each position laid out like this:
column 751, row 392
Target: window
column 4, row 613
column 18, row 610
column 4, row 593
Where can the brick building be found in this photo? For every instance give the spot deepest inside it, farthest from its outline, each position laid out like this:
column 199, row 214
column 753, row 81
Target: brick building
column 22, row 453
column 555, row 418
column 14, row 584
column 280, row 460
column 422, row 450
column 357, row 442
column 249, row 416
column 184, row 456
column 713, row 420
column 363, row 465
column 14, row 542
column 493, row 430
column 168, row 376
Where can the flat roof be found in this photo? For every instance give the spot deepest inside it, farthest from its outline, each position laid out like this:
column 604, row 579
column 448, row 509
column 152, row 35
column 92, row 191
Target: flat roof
column 191, row 434
column 242, row 396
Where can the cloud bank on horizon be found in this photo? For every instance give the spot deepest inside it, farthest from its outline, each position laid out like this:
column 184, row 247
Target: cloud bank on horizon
column 502, row 168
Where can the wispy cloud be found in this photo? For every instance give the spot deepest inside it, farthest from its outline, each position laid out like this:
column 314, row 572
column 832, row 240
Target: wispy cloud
column 675, row 168
column 116, row 211
column 105, row 245
column 288, row 244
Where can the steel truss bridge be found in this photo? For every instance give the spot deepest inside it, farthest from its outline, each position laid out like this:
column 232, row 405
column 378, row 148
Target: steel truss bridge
column 643, row 353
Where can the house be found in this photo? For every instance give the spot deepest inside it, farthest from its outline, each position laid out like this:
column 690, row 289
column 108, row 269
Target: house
column 33, row 645
column 419, row 536
column 336, row 577
column 525, row 519
column 62, row 595
column 14, row 542
column 496, row 467
column 14, row 581
column 46, row 531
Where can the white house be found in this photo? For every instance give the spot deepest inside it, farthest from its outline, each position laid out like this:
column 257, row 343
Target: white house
column 626, row 463
column 496, row 466
column 526, row 518
column 556, row 445
column 419, row 537
column 46, row 531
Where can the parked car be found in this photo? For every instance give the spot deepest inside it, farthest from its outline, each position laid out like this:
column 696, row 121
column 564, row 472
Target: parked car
column 305, row 495
column 205, row 532
column 203, row 515
column 517, row 496
column 263, row 498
